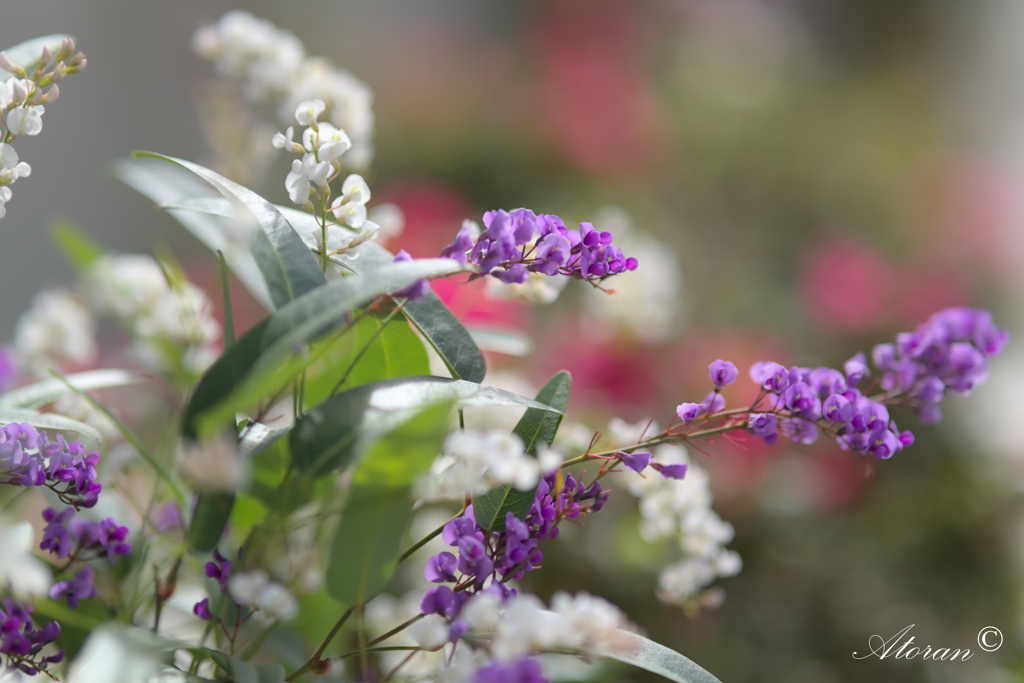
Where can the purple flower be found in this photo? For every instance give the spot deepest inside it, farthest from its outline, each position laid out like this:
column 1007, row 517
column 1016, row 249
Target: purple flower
column 722, row 372
column 929, row 415
column 19, row 637
column 837, row 408
column 771, row 376
column 521, row 671
column 56, row 537
column 202, row 609
column 802, row 401
column 219, row 569
column 856, row 369
column 78, row 588
column 883, row 443
column 931, row 391
column 438, row 600
column 670, row 471
column 688, row 412
column 800, row 431
column 440, row 568
column 713, row 402
column 637, row 462
column 764, row 426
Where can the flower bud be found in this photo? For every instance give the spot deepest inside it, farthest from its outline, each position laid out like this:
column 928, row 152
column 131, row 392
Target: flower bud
column 51, row 95
column 58, row 73
column 10, row 68
column 67, row 48
column 18, row 93
column 37, row 98
column 44, row 59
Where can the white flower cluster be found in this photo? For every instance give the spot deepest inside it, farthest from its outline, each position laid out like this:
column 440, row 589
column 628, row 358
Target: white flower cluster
column 583, row 624
column 681, row 509
column 56, row 329
column 22, row 107
column 256, row 590
column 275, row 67
column 474, row 462
column 162, row 314
column 652, row 299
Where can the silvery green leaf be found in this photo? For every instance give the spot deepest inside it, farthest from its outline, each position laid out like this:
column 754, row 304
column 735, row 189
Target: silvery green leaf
column 648, row 655
column 508, row 342
column 49, row 390
column 49, row 421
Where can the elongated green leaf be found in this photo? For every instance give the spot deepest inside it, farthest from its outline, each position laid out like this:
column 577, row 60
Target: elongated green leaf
column 49, row 390
column 508, row 342
column 536, row 428
column 229, row 316
column 365, row 548
column 429, row 315
column 27, row 54
column 646, row 654
column 49, row 421
column 259, row 437
column 165, row 183
column 261, row 350
column 389, row 350
column 209, row 519
column 288, row 267
column 337, row 431
column 240, row 670
column 79, row 249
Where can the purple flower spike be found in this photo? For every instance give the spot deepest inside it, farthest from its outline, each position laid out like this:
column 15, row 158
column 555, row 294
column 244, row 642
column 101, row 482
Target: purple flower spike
column 670, row 471
column 438, row 600
column 637, row 462
column 713, row 402
column 722, row 372
column 440, row 568
column 416, row 290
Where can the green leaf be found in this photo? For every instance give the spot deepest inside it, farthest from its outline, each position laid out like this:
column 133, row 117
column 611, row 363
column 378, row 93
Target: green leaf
column 79, row 249
column 535, row 428
column 429, row 315
column 365, row 548
column 646, row 654
column 49, row 390
column 209, row 519
column 27, row 54
column 49, row 421
column 288, row 267
column 165, row 184
column 229, row 318
column 333, row 434
column 266, row 346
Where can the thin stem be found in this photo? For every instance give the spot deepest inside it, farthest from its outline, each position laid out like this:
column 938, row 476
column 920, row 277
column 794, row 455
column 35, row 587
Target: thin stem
column 258, row 643
column 364, row 664
column 366, row 347
column 318, row 654
column 397, row 629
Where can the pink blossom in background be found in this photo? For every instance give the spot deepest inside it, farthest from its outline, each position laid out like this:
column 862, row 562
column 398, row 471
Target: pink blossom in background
column 602, row 108
column 846, row 286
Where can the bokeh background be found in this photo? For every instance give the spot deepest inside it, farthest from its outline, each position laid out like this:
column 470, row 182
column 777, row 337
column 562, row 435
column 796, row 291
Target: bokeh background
column 804, row 178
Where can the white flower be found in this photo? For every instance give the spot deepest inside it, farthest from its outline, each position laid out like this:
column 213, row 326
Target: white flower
column 5, row 196
column 10, row 168
column 277, row 602
column 56, row 329
column 307, row 112
column 25, row 120
column 284, row 141
column 126, row 285
column 481, row 612
column 350, row 207
column 589, row 623
column 20, row 570
column 333, row 142
column 245, row 587
column 537, row 289
column 302, row 174
column 431, row 632
column 214, row 465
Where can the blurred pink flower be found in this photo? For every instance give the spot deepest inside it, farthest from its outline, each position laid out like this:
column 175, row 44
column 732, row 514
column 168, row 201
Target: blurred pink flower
column 846, row 285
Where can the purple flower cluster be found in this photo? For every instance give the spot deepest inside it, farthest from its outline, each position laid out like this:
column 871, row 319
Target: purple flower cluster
column 28, row 458
column 66, row 536
column 510, row 553
column 64, row 533
column 804, row 399
column 519, row 242
column 949, row 351
column 416, row 290
column 21, row 642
